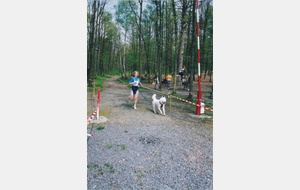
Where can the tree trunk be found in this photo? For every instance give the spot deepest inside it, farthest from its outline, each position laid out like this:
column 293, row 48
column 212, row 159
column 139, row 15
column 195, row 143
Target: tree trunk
column 140, row 33
column 192, row 52
column 161, row 40
column 167, row 48
column 181, row 40
column 90, row 71
column 182, row 34
column 176, row 36
column 181, row 52
column 158, row 39
column 124, row 57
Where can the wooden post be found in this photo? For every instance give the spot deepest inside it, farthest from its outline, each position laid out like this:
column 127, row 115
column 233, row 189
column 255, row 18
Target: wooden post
column 93, row 90
column 170, row 103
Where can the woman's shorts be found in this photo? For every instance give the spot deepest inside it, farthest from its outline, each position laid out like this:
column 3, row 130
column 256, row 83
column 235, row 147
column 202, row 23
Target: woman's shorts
column 134, row 90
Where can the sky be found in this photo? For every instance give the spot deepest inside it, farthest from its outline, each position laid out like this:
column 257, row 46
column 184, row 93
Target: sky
column 110, row 6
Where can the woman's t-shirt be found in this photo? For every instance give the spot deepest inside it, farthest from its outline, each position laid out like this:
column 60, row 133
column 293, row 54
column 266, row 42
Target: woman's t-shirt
column 134, row 79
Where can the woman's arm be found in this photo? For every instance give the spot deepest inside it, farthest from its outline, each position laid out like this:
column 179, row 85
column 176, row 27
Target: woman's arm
column 131, row 81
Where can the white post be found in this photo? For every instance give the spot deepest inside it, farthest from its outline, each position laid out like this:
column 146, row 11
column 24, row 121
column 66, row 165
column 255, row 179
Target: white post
column 98, row 112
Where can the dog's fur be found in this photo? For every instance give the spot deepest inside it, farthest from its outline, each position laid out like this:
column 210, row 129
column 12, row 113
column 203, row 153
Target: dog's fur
column 159, row 104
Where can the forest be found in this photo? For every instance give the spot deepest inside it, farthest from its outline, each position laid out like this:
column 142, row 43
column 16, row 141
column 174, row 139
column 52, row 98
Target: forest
column 150, row 36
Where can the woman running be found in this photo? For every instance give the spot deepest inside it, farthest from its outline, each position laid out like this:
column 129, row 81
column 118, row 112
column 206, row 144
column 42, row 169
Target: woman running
column 134, row 92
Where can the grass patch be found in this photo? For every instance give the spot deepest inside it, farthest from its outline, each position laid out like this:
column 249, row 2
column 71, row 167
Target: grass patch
column 139, row 176
column 123, row 147
column 105, row 111
column 207, row 104
column 99, row 80
column 100, row 127
column 117, row 146
column 123, row 80
column 100, row 172
column 92, row 165
column 191, row 107
column 116, row 72
column 207, row 122
column 209, row 113
column 110, row 167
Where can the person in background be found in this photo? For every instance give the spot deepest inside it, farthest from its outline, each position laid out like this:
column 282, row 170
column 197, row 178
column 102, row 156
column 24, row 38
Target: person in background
column 134, row 91
column 164, row 82
column 186, row 84
column 155, row 82
column 183, row 81
column 169, row 79
column 181, row 73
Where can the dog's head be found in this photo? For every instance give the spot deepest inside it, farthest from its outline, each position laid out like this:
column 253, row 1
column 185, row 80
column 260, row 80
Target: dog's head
column 162, row 100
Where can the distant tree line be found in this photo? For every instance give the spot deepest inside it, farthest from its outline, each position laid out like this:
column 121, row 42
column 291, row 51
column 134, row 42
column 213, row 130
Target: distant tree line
column 153, row 37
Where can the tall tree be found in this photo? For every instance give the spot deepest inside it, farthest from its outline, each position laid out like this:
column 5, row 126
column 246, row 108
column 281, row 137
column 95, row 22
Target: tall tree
column 176, row 34
column 192, row 48
column 124, row 18
column 156, row 39
column 184, row 7
column 90, row 71
column 140, row 34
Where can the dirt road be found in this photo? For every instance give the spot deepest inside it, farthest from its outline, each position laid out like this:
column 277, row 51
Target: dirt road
column 138, row 149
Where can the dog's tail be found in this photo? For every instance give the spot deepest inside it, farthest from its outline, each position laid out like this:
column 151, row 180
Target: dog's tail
column 153, row 96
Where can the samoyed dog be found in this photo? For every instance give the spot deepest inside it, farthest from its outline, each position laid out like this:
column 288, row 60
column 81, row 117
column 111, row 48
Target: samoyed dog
column 160, row 104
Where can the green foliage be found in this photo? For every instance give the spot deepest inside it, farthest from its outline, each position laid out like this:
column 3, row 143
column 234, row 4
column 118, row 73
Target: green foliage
column 99, row 80
column 124, row 15
column 123, row 80
column 100, row 127
column 115, row 72
column 161, row 26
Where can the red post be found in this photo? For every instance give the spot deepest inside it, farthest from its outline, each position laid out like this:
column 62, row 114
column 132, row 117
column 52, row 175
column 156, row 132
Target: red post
column 98, row 103
column 199, row 94
column 98, row 98
column 199, row 98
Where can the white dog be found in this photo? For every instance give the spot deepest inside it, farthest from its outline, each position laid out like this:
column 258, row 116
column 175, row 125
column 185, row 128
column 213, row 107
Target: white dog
column 159, row 104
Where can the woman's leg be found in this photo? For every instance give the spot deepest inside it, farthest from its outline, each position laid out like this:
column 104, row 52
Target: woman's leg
column 131, row 94
column 136, row 97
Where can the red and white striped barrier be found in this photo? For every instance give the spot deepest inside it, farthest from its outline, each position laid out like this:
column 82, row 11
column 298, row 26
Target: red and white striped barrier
column 181, row 99
column 92, row 116
column 209, row 109
column 96, row 110
column 184, row 100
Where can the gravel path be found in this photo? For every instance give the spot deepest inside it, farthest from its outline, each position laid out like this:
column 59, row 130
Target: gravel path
column 138, row 149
